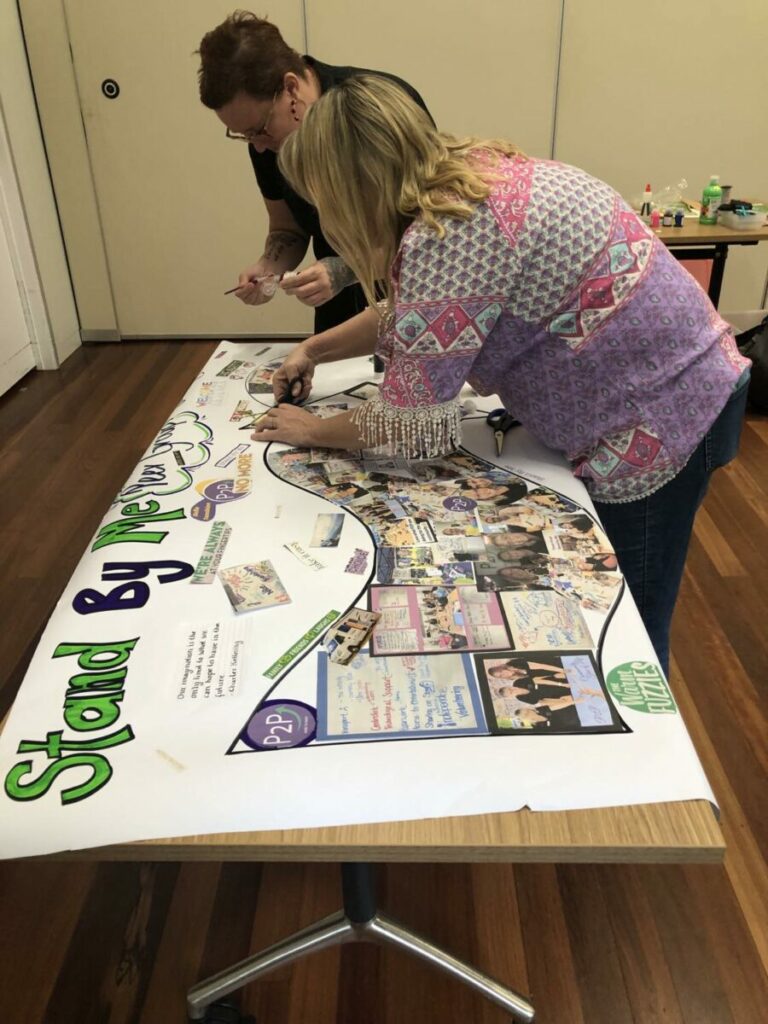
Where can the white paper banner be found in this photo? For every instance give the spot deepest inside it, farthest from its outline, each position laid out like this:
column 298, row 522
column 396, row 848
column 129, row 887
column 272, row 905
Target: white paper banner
column 153, row 707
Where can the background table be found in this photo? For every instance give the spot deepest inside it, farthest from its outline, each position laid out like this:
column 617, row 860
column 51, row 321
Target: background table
column 694, row 241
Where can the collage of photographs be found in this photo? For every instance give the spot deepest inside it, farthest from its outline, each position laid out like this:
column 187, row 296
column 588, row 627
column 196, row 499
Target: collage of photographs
column 474, row 621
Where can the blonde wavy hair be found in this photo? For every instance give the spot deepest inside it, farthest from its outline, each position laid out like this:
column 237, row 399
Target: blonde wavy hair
column 370, row 160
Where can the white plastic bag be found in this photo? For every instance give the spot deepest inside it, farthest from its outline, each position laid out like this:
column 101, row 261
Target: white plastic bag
column 671, row 197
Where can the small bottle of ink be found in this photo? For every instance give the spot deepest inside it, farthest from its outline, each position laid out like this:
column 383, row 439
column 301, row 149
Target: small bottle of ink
column 667, row 220
column 678, row 218
column 655, row 219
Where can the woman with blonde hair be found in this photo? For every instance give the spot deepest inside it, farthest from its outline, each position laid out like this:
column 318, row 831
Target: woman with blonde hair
column 530, row 279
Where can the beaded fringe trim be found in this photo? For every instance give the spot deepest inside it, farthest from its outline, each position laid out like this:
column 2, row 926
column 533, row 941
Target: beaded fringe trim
column 417, row 433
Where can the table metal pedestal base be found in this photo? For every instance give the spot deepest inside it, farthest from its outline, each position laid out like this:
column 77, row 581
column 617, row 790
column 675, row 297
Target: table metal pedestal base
column 359, row 921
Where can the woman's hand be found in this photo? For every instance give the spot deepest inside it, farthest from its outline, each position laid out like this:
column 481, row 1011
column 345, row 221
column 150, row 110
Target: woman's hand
column 294, row 377
column 299, row 428
column 289, row 425
column 253, row 292
column 318, row 283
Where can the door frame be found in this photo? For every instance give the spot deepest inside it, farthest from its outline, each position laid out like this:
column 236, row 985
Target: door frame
column 45, row 35
column 29, row 209
column 38, row 328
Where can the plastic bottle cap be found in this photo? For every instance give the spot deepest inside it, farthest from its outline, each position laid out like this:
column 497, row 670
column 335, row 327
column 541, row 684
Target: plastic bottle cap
column 647, row 188
column 714, row 177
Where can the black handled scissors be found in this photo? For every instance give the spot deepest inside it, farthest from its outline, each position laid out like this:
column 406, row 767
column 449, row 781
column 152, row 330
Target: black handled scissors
column 288, row 398
column 500, row 421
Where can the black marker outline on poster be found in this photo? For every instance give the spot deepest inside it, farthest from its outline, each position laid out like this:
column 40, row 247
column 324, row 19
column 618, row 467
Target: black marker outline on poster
column 534, row 485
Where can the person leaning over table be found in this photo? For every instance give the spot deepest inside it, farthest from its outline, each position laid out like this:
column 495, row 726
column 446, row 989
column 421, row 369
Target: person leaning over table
column 261, row 90
column 528, row 278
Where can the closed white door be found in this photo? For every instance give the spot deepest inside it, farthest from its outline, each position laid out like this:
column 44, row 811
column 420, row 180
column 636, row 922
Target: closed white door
column 180, row 210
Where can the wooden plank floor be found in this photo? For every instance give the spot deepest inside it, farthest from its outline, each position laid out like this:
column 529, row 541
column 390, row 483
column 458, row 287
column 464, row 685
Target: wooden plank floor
column 592, row 944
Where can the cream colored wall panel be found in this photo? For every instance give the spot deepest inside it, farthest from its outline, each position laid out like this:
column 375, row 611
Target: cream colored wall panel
column 659, row 91
column 180, row 210
column 486, row 68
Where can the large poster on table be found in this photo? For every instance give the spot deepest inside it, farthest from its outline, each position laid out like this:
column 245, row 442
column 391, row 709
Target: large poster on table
column 263, row 637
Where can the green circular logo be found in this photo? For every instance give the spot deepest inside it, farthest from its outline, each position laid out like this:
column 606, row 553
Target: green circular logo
column 640, row 685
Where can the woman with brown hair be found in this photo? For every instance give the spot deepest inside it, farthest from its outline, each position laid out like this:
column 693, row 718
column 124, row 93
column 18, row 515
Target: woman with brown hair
column 261, row 89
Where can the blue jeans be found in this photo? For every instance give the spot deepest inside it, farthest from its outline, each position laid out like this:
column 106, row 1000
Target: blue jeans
column 650, row 536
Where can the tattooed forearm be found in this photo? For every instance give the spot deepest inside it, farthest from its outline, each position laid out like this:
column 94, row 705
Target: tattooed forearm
column 339, row 273
column 279, row 243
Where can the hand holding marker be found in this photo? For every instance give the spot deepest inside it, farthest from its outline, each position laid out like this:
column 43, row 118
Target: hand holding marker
column 270, row 283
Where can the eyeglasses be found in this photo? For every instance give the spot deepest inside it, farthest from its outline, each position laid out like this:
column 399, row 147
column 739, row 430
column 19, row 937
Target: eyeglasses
column 249, row 136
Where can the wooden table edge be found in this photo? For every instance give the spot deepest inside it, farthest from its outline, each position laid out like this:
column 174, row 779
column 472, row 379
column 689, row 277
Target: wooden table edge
column 704, row 234
column 676, row 832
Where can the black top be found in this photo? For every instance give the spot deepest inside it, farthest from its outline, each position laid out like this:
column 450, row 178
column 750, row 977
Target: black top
column 537, row 691
column 274, row 186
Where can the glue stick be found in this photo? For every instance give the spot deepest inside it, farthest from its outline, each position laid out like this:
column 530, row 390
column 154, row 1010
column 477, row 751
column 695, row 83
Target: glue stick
column 645, row 209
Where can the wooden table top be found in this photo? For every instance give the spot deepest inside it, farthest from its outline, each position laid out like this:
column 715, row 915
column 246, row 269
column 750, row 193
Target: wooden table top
column 683, row 832
column 693, row 233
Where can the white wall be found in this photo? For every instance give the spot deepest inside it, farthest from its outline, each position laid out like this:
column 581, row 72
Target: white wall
column 669, row 89
column 653, row 91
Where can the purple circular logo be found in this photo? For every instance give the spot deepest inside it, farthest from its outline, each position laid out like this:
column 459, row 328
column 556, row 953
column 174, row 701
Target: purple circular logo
column 223, row 490
column 214, row 493
column 279, row 724
column 458, row 504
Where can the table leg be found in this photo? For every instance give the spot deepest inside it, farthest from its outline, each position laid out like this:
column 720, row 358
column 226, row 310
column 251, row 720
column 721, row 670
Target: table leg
column 718, row 253
column 359, row 921
column 718, row 269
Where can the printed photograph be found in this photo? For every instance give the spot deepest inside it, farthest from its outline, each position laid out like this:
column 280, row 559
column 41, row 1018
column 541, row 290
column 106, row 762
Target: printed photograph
column 436, row 620
column 544, row 620
column 327, row 532
column 422, row 564
column 349, row 635
column 259, row 380
column 394, row 698
column 539, row 691
column 252, row 586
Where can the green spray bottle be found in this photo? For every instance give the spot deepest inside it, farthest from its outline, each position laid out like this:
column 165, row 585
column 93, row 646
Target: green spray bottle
column 710, row 201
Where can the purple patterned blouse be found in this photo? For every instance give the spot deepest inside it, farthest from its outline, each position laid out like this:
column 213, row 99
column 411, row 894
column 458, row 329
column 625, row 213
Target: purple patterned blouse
column 557, row 297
